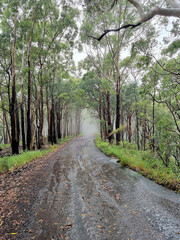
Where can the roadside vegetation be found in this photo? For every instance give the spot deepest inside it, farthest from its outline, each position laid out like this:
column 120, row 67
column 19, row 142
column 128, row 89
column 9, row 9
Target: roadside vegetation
column 144, row 162
column 135, row 95
column 3, row 146
column 129, row 79
column 13, row 162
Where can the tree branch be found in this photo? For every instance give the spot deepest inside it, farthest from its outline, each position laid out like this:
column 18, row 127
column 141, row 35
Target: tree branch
column 137, row 6
column 116, row 30
column 144, row 17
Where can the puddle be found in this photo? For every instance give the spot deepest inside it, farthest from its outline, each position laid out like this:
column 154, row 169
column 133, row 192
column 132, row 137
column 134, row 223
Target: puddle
column 114, row 160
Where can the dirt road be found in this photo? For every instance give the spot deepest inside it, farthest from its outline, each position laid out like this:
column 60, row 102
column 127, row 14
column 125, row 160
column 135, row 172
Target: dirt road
column 87, row 196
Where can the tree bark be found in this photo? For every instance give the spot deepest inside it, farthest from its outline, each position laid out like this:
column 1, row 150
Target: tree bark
column 144, row 131
column 22, row 105
column 41, row 109
column 153, row 127
column 129, row 126
column 100, row 116
column 52, row 120
column 104, row 118
column 29, row 130
column 108, row 98
column 41, row 118
column 48, row 113
column 58, row 119
column 137, row 130
column 118, row 109
column 13, row 108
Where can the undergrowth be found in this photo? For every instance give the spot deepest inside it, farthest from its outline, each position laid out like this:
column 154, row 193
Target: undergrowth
column 144, row 162
column 3, row 146
column 13, row 162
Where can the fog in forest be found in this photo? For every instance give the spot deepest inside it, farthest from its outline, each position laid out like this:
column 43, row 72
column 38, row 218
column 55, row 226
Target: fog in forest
column 89, row 125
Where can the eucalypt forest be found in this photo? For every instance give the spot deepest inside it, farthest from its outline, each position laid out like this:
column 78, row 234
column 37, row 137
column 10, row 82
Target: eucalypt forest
column 119, row 60
column 89, row 119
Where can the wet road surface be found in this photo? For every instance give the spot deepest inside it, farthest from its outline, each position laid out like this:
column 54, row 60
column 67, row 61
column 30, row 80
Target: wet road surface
column 88, row 196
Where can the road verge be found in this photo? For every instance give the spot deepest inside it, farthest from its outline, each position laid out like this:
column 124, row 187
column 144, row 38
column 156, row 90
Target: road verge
column 13, row 162
column 144, row 162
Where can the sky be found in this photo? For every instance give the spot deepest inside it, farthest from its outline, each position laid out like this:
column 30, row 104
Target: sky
column 79, row 56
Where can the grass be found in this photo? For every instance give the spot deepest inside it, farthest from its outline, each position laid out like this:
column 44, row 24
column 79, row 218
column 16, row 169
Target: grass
column 3, row 146
column 13, row 162
column 144, row 162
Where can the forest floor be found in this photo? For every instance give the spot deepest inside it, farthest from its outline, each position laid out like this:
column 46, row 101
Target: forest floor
column 7, row 151
column 78, row 193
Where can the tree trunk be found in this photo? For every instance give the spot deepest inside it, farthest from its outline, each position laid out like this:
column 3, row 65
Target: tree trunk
column 144, row 131
column 100, row 116
column 108, row 98
column 52, row 121
column 58, row 120
column 13, row 108
column 48, row 114
column 29, row 130
column 32, row 146
column 122, row 122
column 118, row 109
column 153, row 127
column 41, row 118
column 29, row 105
column 22, row 105
column 104, row 117
column 22, row 126
column 41, row 109
column 137, row 130
column 129, row 126
column 5, row 118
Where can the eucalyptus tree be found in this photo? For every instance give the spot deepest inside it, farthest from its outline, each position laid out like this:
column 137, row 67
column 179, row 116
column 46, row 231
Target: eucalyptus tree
column 10, row 31
column 112, row 46
column 35, row 35
column 160, row 86
column 145, row 10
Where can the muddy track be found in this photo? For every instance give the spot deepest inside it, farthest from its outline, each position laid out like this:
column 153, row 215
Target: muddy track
column 86, row 196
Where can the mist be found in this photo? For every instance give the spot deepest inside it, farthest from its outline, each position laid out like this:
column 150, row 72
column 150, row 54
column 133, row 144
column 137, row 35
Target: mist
column 89, row 125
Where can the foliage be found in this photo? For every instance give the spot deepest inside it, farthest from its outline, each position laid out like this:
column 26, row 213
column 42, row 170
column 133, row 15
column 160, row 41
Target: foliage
column 3, row 146
column 144, row 162
column 16, row 161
